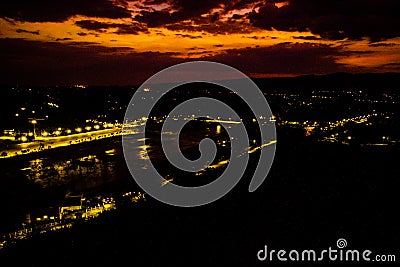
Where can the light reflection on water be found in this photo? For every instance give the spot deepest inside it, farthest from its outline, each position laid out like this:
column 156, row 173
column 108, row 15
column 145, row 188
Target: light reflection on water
column 89, row 176
column 90, row 170
column 48, row 173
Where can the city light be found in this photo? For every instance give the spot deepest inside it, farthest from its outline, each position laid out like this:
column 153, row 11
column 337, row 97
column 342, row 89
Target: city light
column 24, row 139
column 78, row 129
column 218, row 129
column 68, row 131
column 88, row 128
column 97, row 127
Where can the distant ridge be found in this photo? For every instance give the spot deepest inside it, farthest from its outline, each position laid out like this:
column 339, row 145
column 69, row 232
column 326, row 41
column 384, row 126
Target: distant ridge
column 340, row 80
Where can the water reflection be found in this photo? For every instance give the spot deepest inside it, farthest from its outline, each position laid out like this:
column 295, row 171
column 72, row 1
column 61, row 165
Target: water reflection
column 86, row 179
column 48, row 173
column 88, row 175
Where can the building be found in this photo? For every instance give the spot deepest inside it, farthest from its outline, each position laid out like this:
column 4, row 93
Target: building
column 71, row 207
column 43, row 215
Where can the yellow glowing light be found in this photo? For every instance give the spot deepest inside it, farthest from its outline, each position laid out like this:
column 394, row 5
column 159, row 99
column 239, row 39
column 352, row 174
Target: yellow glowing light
column 68, row 131
column 166, row 181
column 45, row 133
column 24, row 139
column 219, row 164
column 33, row 121
column 79, row 129
column 262, row 146
column 111, row 151
column 88, row 128
column 218, row 129
column 57, row 132
column 97, row 127
column 222, row 121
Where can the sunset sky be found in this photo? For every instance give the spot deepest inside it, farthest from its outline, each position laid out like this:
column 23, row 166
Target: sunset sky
column 124, row 42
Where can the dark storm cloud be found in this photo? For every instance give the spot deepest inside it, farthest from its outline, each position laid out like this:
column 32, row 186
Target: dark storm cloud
column 383, row 44
column 200, row 53
column 103, row 26
column 183, row 10
column 189, row 15
column 59, row 10
column 34, row 62
column 289, row 58
column 331, row 19
column 188, row 36
column 26, row 31
column 334, row 20
column 308, row 38
column 93, row 25
column 196, row 48
column 217, row 27
column 40, row 63
column 63, row 39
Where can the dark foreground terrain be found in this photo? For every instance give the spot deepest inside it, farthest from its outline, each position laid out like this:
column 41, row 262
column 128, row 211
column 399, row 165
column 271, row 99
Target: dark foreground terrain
column 314, row 195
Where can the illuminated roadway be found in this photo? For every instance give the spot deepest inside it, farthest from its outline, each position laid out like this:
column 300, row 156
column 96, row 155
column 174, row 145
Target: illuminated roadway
column 59, row 141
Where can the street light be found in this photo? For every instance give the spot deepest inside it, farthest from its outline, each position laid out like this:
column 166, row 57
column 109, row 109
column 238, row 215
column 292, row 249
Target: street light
column 34, row 121
column 34, row 127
